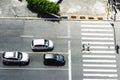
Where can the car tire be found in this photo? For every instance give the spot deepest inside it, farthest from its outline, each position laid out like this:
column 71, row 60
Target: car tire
column 45, row 63
column 5, row 63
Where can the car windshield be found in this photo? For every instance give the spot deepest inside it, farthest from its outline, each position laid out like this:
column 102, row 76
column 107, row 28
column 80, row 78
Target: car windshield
column 19, row 55
column 46, row 42
column 57, row 57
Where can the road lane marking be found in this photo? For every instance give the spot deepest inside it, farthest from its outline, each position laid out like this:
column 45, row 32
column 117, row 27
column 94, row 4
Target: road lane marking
column 95, row 22
column 47, row 52
column 96, row 34
column 32, row 68
column 101, row 75
column 99, row 65
column 99, row 60
column 96, row 26
column 102, row 47
column 69, row 61
column 97, row 30
column 98, row 56
column 27, row 36
column 98, row 42
column 102, row 52
column 96, row 38
column 68, row 29
column 42, row 52
column 99, row 70
column 98, row 79
column 64, row 37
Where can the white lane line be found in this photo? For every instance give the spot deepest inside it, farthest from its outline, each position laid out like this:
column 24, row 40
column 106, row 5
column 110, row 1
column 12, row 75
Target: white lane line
column 28, row 36
column 95, row 22
column 98, row 56
column 97, row 30
column 97, row 51
column 96, row 38
column 1, row 68
column 68, row 29
column 99, row 65
column 64, row 36
column 97, row 26
column 96, row 34
column 99, row 70
column 42, row 52
column 101, row 75
column 97, row 42
column 69, row 61
column 102, row 47
column 101, row 60
column 98, row 79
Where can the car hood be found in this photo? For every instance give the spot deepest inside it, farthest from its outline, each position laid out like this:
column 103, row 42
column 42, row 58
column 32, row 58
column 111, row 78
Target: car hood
column 25, row 57
column 51, row 44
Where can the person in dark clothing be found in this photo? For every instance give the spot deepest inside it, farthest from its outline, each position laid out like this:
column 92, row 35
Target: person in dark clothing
column 117, row 49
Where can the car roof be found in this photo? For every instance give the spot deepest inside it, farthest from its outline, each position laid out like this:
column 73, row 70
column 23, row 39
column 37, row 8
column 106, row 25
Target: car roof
column 10, row 54
column 39, row 41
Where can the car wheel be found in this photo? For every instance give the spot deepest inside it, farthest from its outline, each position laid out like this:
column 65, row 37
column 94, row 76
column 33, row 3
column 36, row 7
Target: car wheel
column 5, row 63
column 45, row 63
column 23, row 63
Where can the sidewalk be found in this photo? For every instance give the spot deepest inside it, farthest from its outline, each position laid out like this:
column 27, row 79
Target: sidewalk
column 16, row 8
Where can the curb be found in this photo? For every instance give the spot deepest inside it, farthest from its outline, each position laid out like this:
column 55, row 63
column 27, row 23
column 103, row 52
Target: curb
column 82, row 17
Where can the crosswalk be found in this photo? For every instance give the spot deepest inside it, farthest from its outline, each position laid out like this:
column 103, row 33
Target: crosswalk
column 99, row 63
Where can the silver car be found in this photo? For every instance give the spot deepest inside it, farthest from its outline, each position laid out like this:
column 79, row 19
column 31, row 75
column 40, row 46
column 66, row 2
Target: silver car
column 42, row 45
column 15, row 58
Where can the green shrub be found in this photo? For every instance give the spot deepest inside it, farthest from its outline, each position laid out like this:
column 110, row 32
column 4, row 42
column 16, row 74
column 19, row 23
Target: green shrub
column 45, row 5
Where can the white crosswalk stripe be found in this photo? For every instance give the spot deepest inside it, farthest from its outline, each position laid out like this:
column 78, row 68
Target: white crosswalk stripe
column 98, row 53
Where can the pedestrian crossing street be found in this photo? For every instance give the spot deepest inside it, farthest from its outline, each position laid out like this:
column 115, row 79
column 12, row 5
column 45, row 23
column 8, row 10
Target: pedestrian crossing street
column 99, row 63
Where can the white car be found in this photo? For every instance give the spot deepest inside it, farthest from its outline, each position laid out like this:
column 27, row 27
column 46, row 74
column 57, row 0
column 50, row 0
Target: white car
column 42, row 45
column 15, row 58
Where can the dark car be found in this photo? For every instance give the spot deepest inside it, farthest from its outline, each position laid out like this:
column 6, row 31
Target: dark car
column 54, row 59
column 15, row 58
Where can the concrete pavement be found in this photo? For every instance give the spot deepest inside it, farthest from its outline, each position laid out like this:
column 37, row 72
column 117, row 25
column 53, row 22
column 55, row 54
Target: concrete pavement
column 16, row 8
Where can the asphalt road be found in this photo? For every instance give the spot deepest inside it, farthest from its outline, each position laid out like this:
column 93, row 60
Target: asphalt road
column 16, row 35
column 117, row 31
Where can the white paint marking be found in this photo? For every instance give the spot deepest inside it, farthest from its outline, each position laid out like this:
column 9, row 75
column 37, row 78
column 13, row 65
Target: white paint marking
column 0, row 11
column 101, row 22
column 64, row 36
column 101, row 75
column 99, row 70
column 97, row 26
column 96, row 34
column 69, row 61
column 98, row 79
column 29, row 36
column 69, row 29
column 101, row 47
column 98, row 56
column 1, row 68
column 99, row 65
column 97, row 51
column 91, row 42
column 101, row 60
column 96, row 38
column 97, row 30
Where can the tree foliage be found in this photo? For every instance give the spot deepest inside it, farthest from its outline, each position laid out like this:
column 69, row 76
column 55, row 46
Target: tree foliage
column 45, row 5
